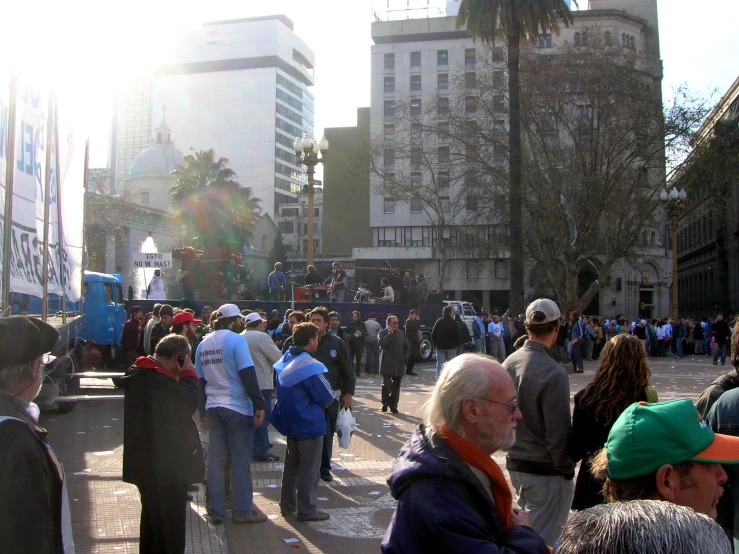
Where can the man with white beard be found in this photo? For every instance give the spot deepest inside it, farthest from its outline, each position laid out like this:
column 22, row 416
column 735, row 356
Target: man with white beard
column 471, row 414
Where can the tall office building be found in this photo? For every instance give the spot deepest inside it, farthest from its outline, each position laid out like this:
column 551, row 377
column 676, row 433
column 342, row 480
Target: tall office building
column 239, row 87
column 413, row 62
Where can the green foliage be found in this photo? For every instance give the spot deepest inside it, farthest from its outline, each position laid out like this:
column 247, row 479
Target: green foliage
column 208, row 201
column 486, row 19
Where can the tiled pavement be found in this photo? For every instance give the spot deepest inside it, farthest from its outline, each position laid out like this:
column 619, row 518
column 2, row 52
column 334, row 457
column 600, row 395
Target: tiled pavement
column 105, row 511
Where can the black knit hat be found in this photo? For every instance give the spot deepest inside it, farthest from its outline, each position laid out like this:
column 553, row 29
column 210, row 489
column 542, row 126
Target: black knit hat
column 23, row 339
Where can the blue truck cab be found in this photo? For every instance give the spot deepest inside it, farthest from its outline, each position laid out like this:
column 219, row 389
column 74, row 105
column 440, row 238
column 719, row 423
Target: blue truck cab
column 104, row 308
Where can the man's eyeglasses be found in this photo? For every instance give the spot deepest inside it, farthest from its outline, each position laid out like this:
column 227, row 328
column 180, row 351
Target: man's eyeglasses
column 511, row 407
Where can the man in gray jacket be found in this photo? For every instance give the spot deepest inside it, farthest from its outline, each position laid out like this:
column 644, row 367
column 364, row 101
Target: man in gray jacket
column 539, row 466
column 264, row 353
column 394, row 355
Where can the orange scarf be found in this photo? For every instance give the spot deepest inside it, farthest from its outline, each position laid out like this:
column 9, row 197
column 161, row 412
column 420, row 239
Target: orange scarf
column 472, row 455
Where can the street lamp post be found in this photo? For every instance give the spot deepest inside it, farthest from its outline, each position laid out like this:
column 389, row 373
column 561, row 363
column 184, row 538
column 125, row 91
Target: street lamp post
column 306, row 153
column 674, row 203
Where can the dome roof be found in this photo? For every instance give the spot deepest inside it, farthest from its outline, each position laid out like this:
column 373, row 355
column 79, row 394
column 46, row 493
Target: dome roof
column 159, row 159
column 156, row 161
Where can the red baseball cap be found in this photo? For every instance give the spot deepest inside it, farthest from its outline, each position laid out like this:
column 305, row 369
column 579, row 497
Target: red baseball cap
column 185, row 317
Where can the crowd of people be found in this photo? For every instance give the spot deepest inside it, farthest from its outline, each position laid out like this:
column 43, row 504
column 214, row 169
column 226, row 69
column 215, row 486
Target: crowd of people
column 234, row 372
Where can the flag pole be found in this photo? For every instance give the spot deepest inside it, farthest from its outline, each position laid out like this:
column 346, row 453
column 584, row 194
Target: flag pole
column 9, row 167
column 84, row 227
column 59, row 222
column 47, row 192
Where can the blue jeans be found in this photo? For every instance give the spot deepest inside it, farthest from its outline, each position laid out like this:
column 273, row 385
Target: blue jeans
column 719, row 351
column 443, row 356
column 680, row 353
column 372, row 351
column 480, row 345
column 261, row 434
column 338, row 296
column 231, row 435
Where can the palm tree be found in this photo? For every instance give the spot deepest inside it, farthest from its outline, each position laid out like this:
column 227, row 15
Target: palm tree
column 516, row 21
column 208, row 200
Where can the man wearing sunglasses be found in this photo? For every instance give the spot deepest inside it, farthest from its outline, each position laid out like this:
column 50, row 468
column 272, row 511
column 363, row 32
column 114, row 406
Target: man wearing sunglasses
column 452, row 495
column 34, row 509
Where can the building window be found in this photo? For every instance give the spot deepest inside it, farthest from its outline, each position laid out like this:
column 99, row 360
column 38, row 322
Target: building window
column 444, row 203
column 389, row 61
column 498, row 155
column 470, row 104
column 415, row 106
column 443, row 180
column 388, row 205
column 469, row 56
column 443, row 153
column 416, row 156
column 389, row 84
column 498, row 78
column 285, row 227
column 499, row 126
column 471, row 203
column 415, row 59
column 470, row 79
column 389, row 131
column 416, row 180
column 145, row 198
column 415, row 131
column 608, row 38
column 499, row 102
column 472, row 269
column 442, row 81
column 389, row 108
column 415, row 82
column 550, row 141
column 470, row 152
column 389, row 157
column 584, row 113
column 442, row 57
column 578, row 39
column 416, row 205
column 545, row 41
column 443, row 129
column 501, row 269
column 632, row 43
column 498, row 54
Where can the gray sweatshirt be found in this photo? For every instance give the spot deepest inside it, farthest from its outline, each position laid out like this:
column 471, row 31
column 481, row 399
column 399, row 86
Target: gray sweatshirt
column 544, row 398
column 373, row 329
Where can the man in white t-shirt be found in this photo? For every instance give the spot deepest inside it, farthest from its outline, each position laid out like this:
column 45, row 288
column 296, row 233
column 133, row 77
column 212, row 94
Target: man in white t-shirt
column 233, row 409
column 495, row 332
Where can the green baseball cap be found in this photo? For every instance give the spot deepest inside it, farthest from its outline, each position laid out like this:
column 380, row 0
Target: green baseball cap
column 647, row 436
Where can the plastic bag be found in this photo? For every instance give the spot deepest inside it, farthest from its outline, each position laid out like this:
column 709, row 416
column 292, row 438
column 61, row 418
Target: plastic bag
column 345, row 425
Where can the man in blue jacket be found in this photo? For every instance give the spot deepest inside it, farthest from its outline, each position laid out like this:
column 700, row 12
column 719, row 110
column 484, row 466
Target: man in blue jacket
column 303, row 393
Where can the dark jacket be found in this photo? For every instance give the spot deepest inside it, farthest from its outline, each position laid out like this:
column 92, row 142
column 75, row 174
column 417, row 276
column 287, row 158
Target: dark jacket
column 333, row 353
column 31, row 498
column 130, row 337
column 161, row 444
column 446, row 335
column 354, row 326
column 412, row 327
column 721, row 331
column 394, row 352
column 158, row 332
column 464, row 331
column 587, row 436
column 717, row 388
column 442, row 506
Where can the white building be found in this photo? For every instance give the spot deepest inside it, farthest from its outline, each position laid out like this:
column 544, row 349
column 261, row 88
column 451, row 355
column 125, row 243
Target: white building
column 416, row 59
column 238, row 87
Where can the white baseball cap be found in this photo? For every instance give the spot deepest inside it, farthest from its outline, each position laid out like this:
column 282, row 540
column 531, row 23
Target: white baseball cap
column 548, row 307
column 228, row 310
column 252, row 317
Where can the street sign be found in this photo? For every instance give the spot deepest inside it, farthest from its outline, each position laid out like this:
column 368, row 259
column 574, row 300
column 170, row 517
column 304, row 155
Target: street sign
column 145, row 260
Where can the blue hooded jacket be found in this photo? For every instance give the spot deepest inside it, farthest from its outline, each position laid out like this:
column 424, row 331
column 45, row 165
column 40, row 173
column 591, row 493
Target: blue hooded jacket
column 302, row 394
column 442, row 506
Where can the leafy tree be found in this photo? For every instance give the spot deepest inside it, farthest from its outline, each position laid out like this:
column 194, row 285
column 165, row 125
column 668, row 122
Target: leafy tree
column 516, row 21
column 208, row 200
column 278, row 252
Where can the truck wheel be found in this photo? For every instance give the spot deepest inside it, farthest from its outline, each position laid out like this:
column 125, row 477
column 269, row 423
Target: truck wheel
column 426, row 349
column 68, row 386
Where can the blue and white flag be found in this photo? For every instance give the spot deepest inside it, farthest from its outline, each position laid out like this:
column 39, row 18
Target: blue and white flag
column 295, row 366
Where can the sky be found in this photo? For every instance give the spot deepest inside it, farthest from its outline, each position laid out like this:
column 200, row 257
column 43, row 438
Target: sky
column 91, row 49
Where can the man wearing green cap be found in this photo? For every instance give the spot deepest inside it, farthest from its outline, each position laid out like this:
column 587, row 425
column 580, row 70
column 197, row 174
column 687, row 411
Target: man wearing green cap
column 665, row 451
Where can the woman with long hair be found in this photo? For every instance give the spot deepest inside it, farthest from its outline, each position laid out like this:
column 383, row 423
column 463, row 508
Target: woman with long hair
column 621, row 379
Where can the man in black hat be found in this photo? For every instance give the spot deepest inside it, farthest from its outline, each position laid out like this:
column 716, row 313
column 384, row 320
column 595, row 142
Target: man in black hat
column 34, row 509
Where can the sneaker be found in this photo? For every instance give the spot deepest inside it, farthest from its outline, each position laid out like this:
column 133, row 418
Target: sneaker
column 254, row 516
column 327, row 477
column 216, row 520
column 268, row 458
column 384, row 408
column 394, row 410
column 320, row 515
column 412, row 373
